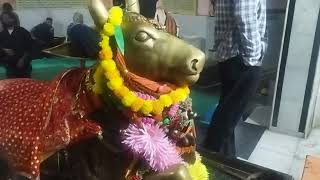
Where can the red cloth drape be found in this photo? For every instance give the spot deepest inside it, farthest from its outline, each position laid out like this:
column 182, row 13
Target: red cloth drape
column 38, row 119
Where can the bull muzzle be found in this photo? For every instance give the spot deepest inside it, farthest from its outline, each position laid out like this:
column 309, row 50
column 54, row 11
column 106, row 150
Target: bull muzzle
column 195, row 63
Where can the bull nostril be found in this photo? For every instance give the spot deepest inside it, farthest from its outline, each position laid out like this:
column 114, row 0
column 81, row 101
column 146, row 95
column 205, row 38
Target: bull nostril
column 194, row 63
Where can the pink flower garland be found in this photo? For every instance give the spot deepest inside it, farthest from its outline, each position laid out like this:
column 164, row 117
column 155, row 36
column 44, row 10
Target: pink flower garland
column 151, row 143
column 144, row 96
column 173, row 110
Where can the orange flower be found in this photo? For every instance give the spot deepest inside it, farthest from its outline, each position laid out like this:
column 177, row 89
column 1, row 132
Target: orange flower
column 105, row 54
column 157, row 107
column 187, row 90
column 175, row 97
column 121, row 92
column 112, row 74
column 147, row 107
column 108, row 65
column 115, row 83
column 166, row 100
column 129, row 99
column 181, row 93
column 108, row 29
column 137, row 104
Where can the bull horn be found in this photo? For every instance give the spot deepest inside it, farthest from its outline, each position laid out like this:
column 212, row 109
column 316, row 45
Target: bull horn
column 133, row 6
column 98, row 12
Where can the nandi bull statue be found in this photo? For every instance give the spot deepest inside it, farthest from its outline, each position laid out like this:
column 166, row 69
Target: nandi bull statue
column 128, row 117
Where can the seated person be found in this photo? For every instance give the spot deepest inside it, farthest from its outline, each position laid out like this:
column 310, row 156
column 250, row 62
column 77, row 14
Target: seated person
column 153, row 9
column 7, row 7
column 148, row 8
column 165, row 19
column 77, row 19
column 84, row 40
column 15, row 44
column 43, row 33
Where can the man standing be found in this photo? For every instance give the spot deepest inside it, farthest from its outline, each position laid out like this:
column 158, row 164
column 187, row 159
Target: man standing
column 240, row 42
column 15, row 44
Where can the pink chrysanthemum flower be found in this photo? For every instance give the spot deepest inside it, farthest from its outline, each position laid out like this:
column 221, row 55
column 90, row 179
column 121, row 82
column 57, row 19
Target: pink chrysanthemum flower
column 151, row 143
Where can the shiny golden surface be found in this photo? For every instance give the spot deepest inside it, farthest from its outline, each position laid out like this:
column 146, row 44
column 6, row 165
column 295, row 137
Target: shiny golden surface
column 179, row 172
column 133, row 6
column 158, row 55
column 99, row 12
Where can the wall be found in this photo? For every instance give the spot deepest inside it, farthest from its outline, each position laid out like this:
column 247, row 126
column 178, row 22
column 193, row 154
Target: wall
column 316, row 118
column 295, row 68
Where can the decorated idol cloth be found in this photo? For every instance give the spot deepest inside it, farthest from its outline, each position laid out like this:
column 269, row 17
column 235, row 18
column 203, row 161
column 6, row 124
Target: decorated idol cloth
column 40, row 118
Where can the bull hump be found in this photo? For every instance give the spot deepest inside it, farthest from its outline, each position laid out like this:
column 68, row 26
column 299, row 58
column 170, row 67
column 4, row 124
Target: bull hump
column 134, row 17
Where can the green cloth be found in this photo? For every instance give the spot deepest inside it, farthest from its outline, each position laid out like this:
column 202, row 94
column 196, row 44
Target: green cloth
column 47, row 69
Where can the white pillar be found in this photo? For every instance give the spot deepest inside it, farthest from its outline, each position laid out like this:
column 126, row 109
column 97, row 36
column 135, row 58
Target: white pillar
column 295, row 77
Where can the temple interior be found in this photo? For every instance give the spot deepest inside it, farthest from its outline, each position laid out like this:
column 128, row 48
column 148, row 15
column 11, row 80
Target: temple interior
column 278, row 134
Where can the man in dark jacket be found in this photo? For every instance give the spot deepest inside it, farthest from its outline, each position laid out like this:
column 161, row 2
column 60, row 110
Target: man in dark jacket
column 15, row 44
column 43, row 33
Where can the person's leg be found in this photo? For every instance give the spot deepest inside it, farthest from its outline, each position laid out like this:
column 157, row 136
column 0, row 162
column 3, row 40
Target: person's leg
column 10, row 72
column 28, row 71
column 229, row 74
column 228, row 146
column 226, row 117
column 25, row 72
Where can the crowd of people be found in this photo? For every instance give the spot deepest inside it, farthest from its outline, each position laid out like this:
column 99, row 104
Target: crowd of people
column 18, row 46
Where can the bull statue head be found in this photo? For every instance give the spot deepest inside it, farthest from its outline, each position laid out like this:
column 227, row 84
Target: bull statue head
column 150, row 51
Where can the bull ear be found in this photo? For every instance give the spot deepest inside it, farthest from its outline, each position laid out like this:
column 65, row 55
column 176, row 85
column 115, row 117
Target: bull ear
column 133, row 6
column 98, row 12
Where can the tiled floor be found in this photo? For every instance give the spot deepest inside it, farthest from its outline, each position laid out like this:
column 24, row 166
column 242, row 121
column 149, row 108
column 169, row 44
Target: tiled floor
column 285, row 153
column 275, row 151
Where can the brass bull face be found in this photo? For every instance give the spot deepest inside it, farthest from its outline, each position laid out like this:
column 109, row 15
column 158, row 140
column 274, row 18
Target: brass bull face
column 151, row 52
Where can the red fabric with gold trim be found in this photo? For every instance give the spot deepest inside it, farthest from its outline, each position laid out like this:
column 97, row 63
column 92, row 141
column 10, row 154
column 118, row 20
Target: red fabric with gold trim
column 38, row 119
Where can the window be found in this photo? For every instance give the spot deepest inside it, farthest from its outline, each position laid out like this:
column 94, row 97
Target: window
column 51, row 3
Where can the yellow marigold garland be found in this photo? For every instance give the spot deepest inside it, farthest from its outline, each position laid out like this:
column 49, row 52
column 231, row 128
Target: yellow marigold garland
column 109, row 71
column 198, row 170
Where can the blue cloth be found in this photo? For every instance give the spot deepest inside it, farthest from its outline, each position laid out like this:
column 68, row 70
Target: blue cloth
column 85, row 40
column 241, row 30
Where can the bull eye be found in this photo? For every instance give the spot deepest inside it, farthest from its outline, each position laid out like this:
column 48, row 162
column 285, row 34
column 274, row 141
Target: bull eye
column 142, row 36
